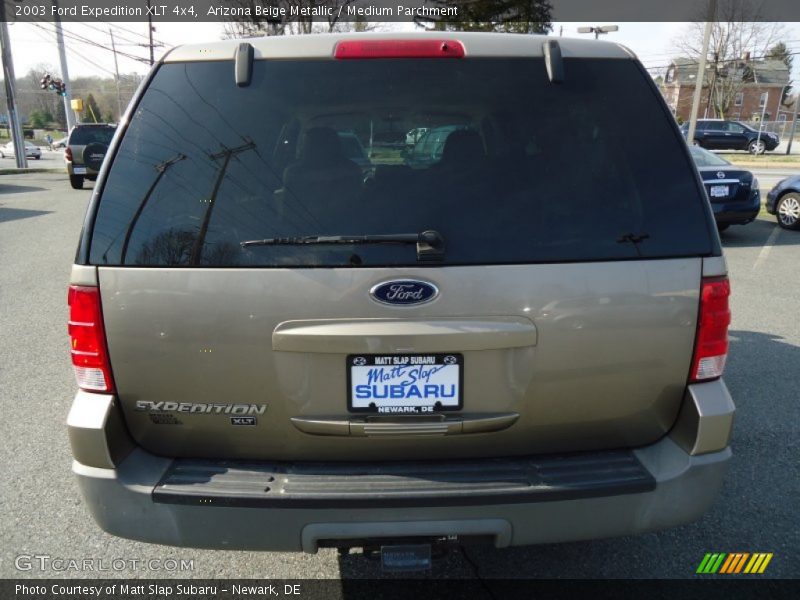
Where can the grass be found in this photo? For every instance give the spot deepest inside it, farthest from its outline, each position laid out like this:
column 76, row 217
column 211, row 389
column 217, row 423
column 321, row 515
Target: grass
column 4, row 171
column 762, row 160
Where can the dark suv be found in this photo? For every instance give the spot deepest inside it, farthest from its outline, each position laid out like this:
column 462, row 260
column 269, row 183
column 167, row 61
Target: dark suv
column 716, row 134
column 86, row 148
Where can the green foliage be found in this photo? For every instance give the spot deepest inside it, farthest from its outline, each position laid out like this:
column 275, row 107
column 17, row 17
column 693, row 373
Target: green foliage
column 39, row 119
column 92, row 110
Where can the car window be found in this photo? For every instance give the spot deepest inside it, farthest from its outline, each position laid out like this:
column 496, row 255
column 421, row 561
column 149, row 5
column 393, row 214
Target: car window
column 704, row 158
column 205, row 165
column 715, row 126
column 351, row 146
column 734, row 128
column 82, row 136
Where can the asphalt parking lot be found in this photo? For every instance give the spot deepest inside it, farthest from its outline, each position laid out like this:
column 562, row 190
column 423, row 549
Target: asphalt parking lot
column 40, row 218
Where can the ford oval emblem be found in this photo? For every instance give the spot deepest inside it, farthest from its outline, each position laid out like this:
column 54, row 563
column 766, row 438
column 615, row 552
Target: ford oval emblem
column 404, row 292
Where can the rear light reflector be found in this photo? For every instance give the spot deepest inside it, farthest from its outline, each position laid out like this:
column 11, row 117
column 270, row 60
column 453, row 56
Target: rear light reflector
column 68, row 154
column 88, row 340
column 711, row 343
column 399, row 49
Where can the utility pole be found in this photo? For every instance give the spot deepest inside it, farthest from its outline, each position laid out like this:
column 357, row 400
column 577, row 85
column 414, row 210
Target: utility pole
column 62, row 54
column 712, row 90
column 116, row 75
column 794, row 124
column 761, row 121
column 701, row 72
column 150, row 32
column 8, row 75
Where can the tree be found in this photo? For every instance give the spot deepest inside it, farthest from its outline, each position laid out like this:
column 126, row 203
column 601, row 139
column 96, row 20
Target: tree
column 507, row 16
column 780, row 52
column 40, row 119
column 736, row 35
column 92, row 110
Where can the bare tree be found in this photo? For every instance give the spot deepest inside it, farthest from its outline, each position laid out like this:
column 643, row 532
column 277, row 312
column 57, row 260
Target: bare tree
column 737, row 38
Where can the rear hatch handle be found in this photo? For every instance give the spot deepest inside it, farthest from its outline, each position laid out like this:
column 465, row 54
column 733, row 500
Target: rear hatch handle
column 405, row 426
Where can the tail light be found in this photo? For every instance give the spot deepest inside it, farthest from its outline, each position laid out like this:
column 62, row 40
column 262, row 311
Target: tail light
column 68, row 154
column 399, row 49
column 711, row 343
column 88, row 340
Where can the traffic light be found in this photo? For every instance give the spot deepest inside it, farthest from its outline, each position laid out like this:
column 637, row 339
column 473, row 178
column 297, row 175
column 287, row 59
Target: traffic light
column 49, row 82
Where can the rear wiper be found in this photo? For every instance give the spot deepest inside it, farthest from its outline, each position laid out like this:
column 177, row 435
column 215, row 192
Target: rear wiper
column 430, row 244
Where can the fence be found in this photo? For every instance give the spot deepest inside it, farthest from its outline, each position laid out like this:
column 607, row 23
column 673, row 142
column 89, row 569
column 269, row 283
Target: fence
column 782, row 128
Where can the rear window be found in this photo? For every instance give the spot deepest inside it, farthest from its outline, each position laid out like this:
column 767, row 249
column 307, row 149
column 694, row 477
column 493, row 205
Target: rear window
column 704, row 158
column 83, row 136
column 506, row 166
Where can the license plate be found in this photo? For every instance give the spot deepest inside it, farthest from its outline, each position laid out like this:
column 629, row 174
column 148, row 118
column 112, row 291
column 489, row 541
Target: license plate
column 719, row 191
column 79, row 170
column 416, row 557
column 404, row 383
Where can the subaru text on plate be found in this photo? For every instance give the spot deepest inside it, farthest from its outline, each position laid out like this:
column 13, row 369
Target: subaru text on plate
column 280, row 349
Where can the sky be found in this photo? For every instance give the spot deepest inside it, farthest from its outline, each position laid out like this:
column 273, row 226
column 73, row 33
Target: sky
column 34, row 44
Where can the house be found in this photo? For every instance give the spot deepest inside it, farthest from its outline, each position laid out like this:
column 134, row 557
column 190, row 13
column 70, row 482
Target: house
column 753, row 88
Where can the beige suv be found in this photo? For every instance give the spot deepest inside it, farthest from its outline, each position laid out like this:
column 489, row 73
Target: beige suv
column 518, row 342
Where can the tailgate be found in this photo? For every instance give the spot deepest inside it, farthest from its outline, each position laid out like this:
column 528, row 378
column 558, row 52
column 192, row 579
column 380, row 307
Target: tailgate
column 254, row 363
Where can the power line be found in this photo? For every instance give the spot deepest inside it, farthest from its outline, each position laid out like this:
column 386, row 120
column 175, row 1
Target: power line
column 78, row 56
column 80, row 39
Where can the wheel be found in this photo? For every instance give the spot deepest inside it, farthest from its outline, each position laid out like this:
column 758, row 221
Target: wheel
column 2, row 155
column 757, row 147
column 697, row 143
column 788, row 211
column 722, row 227
column 38, row 157
column 76, row 181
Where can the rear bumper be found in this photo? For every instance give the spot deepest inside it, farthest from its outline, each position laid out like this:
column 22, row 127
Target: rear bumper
column 737, row 213
column 516, row 501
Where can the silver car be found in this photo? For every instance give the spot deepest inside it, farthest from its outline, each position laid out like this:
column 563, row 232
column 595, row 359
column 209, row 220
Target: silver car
column 31, row 151
column 520, row 341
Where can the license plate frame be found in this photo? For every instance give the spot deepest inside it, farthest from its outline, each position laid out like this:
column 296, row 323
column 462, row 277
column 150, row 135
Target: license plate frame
column 719, row 191
column 79, row 170
column 402, row 405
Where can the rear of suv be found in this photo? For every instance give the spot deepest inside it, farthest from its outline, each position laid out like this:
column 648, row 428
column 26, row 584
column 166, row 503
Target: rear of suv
column 85, row 151
column 277, row 348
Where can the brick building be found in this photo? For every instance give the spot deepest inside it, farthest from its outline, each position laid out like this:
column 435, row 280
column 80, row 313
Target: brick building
column 760, row 85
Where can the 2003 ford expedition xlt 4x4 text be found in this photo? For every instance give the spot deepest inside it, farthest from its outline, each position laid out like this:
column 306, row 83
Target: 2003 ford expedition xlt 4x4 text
column 517, row 336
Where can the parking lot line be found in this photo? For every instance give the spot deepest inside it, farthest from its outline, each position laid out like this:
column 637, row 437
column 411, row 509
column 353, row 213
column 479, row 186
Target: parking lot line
column 762, row 256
